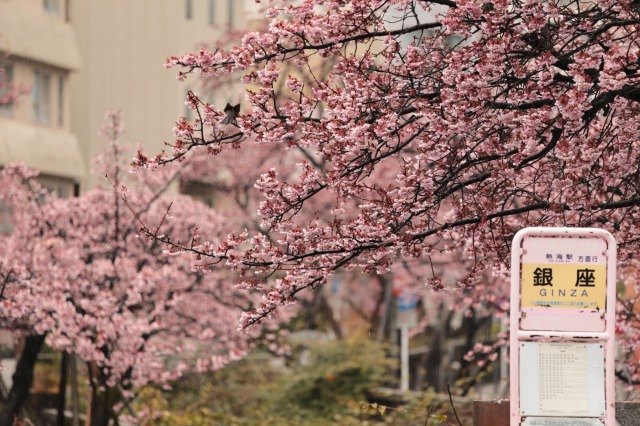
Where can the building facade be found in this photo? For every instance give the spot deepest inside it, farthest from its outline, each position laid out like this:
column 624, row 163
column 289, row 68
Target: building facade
column 40, row 52
column 123, row 45
column 79, row 59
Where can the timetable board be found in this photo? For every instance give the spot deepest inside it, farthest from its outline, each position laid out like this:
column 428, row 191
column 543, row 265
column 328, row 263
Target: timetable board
column 562, row 379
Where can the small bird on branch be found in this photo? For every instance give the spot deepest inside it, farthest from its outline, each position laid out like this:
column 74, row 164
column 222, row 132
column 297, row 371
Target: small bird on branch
column 231, row 114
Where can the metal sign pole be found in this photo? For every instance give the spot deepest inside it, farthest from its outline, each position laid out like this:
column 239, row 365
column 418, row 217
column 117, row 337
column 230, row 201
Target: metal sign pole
column 405, row 319
column 404, row 358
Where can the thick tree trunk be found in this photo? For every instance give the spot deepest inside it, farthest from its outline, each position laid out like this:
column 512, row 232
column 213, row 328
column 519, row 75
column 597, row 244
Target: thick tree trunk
column 101, row 402
column 435, row 375
column 382, row 318
column 74, row 391
column 99, row 413
column 474, row 324
column 62, row 389
column 325, row 309
column 101, row 408
column 22, row 380
column 438, row 359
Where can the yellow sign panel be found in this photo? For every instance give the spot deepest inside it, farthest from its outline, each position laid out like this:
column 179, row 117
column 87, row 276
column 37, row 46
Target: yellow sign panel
column 562, row 285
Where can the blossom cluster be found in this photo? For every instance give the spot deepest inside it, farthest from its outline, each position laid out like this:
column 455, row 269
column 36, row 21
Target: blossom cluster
column 443, row 131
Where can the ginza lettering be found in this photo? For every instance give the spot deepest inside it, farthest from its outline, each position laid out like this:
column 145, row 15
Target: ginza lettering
column 563, row 292
column 544, row 277
column 585, row 278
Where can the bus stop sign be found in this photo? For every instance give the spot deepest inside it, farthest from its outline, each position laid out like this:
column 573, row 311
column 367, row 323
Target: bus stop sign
column 562, row 327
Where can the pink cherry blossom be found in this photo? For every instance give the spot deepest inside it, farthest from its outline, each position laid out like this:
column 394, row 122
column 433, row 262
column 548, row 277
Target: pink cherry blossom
column 437, row 134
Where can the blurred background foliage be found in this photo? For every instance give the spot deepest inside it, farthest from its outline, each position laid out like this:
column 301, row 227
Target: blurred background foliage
column 334, row 384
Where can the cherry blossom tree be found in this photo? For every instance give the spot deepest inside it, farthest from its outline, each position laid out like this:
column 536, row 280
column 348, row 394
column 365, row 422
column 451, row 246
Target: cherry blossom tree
column 76, row 272
column 18, row 191
column 440, row 126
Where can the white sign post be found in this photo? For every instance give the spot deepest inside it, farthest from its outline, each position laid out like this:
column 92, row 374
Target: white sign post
column 406, row 318
column 562, row 327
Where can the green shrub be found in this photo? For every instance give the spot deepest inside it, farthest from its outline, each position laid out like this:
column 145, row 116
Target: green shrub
column 329, row 389
column 335, row 379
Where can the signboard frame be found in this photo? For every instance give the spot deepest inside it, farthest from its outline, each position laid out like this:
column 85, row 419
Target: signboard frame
column 553, row 322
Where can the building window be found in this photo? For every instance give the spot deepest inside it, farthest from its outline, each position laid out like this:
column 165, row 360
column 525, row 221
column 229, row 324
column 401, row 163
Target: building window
column 188, row 9
column 200, row 191
column 6, row 81
column 230, row 13
column 42, row 97
column 61, row 101
column 52, row 7
column 61, row 187
column 212, row 12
